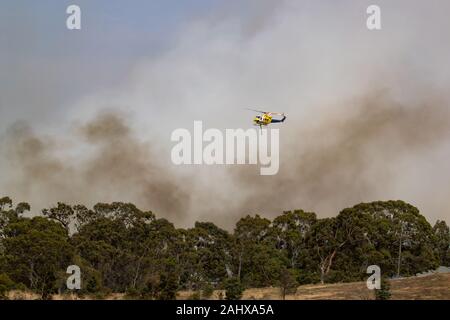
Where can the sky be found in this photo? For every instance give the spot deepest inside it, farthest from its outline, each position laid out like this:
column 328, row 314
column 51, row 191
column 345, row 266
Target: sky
column 86, row 115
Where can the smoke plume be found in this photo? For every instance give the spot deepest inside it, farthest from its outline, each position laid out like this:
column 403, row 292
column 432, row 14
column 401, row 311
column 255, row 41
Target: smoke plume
column 367, row 116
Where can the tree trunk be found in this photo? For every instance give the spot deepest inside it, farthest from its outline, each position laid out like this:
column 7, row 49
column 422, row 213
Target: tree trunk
column 322, row 274
column 399, row 261
column 240, row 265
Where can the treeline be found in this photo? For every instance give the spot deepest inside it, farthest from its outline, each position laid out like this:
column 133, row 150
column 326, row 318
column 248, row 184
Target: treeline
column 120, row 248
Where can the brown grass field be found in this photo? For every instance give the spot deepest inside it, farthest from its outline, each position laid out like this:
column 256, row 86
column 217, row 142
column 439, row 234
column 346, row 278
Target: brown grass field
column 430, row 287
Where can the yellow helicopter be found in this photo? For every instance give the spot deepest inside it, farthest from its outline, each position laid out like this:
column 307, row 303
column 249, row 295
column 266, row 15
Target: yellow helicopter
column 266, row 118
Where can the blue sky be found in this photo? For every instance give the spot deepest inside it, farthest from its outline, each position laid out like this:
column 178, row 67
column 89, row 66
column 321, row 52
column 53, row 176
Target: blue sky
column 107, row 24
column 35, row 45
column 56, row 66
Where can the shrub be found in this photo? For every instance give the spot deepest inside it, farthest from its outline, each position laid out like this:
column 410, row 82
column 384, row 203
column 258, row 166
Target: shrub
column 384, row 292
column 6, row 284
column 233, row 289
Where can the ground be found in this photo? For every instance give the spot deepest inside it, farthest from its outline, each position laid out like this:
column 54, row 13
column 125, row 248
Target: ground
column 431, row 286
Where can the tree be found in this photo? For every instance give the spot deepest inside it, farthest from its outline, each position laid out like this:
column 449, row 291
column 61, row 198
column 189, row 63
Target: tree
column 101, row 245
column 288, row 284
column 62, row 213
column 207, row 291
column 391, row 234
column 5, row 202
column 327, row 238
column 399, row 229
column 291, row 231
column 115, row 239
column 132, row 251
column 207, row 257
column 168, row 285
column 36, row 250
column 442, row 234
column 258, row 262
column 233, row 289
column 121, row 248
column 8, row 214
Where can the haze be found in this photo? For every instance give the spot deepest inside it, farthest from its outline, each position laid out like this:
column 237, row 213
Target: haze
column 86, row 116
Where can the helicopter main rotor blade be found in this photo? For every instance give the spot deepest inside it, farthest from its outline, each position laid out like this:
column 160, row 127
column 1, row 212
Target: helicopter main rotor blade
column 267, row 112
column 257, row 110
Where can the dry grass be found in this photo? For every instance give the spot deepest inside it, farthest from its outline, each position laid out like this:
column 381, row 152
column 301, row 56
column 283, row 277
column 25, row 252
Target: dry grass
column 429, row 287
column 435, row 286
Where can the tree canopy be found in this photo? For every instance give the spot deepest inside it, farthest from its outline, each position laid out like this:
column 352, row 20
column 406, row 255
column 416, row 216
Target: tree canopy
column 121, row 248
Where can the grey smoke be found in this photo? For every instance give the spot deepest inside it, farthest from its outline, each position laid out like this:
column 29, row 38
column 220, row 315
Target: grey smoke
column 116, row 167
column 368, row 116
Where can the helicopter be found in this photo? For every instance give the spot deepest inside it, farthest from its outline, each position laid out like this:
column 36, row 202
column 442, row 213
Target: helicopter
column 266, row 118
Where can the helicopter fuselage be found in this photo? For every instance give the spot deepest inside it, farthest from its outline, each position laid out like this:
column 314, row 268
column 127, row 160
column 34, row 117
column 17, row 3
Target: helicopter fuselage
column 262, row 120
